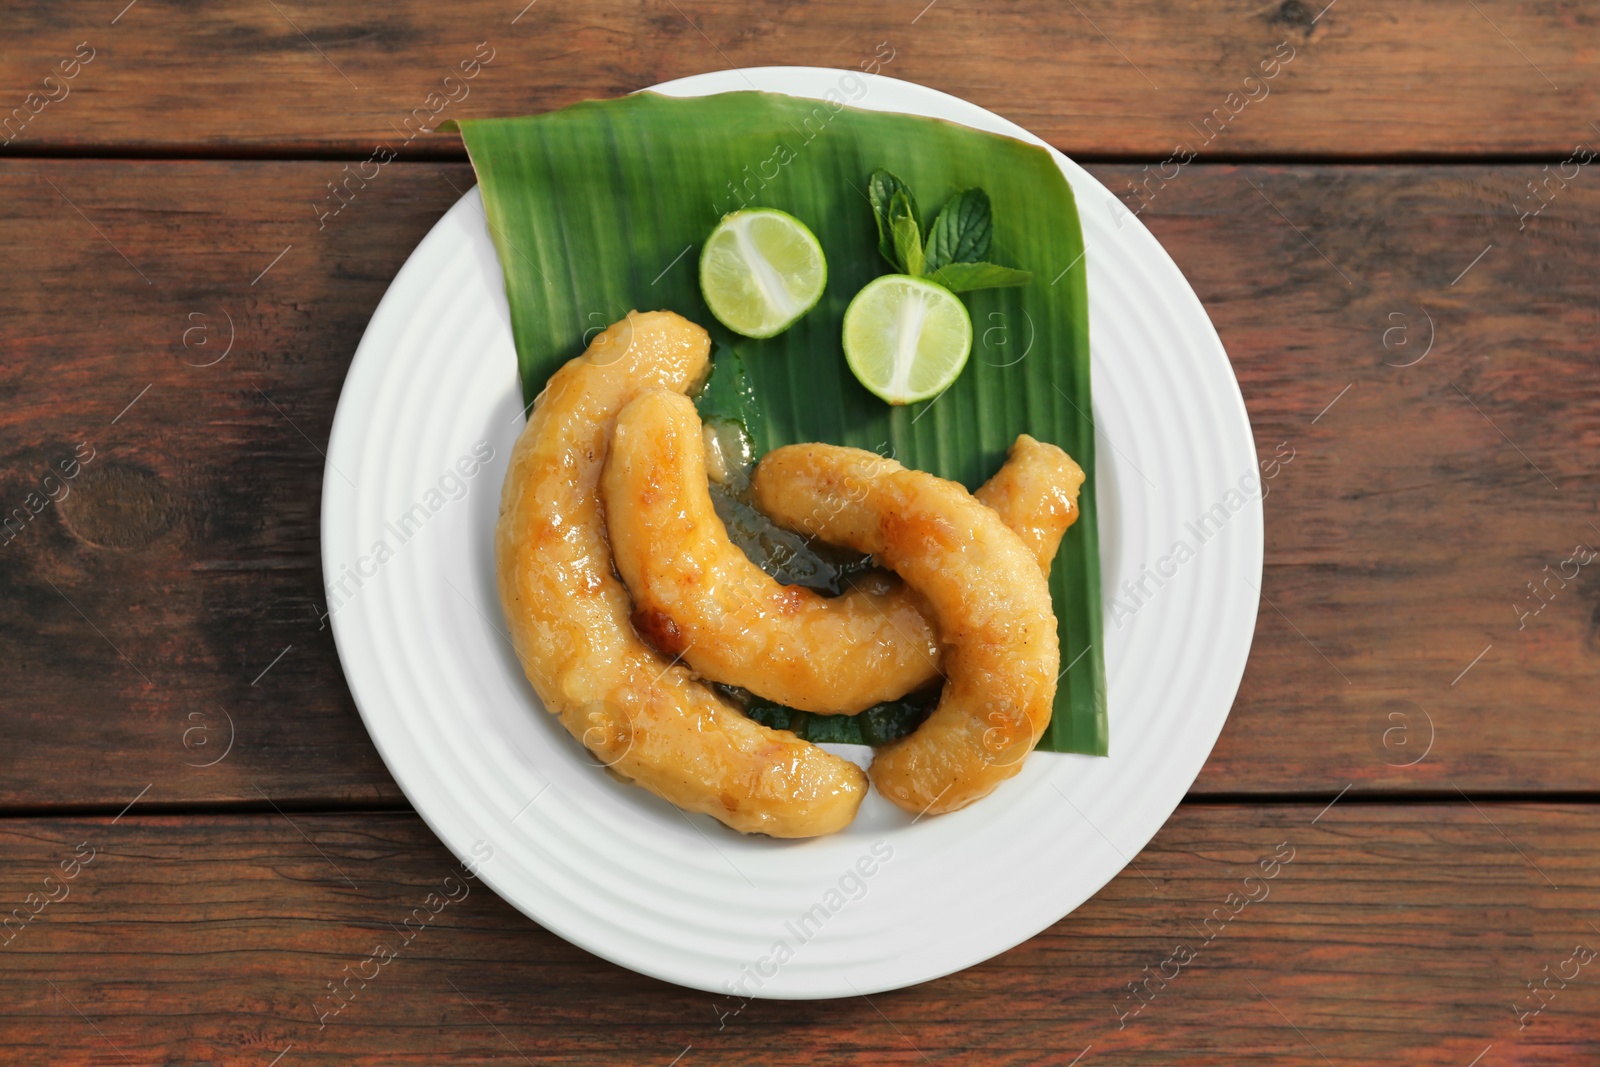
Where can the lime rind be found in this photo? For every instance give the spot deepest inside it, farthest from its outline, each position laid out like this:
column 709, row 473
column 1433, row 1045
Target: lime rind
column 761, row 270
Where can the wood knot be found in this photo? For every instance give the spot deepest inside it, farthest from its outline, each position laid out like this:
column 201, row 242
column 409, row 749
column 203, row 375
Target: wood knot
column 1295, row 14
column 115, row 505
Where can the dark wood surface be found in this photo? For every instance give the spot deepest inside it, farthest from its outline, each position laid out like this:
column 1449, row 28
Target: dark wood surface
column 1400, row 536
column 1394, row 933
column 1431, row 77
column 171, row 600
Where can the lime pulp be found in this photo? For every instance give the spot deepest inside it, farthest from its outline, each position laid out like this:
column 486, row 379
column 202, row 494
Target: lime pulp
column 760, row 270
column 906, row 339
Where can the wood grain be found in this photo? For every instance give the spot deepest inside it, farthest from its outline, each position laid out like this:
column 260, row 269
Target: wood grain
column 1392, row 934
column 1432, row 77
column 153, row 602
column 127, row 658
column 1414, row 345
column 1428, row 486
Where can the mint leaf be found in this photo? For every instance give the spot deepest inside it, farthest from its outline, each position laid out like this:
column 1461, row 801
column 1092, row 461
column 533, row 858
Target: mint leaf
column 964, row 277
column 881, row 189
column 962, row 232
column 907, row 234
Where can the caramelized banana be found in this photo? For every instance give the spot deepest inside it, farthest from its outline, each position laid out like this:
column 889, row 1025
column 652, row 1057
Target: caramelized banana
column 647, row 718
column 697, row 595
column 984, row 588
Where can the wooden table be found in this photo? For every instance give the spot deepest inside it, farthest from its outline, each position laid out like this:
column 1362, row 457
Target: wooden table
column 1395, row 237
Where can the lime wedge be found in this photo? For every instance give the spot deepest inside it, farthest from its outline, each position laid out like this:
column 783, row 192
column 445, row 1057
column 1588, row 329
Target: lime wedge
column 761, row 270
column 906, row 339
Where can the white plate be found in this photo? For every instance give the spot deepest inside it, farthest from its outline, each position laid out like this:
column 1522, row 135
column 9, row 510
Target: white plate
column 632, row 879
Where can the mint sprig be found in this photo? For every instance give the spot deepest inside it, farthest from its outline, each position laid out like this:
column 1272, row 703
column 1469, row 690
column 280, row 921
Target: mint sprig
column 959, row 238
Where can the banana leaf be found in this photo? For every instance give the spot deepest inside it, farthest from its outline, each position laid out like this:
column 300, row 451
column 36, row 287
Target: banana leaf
column 601, row 208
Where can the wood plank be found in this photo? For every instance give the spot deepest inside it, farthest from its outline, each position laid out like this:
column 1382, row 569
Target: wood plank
column 1392, row 934
column 1427, row 77
column 176, row 589
column 179, row 584
column 1428, row 486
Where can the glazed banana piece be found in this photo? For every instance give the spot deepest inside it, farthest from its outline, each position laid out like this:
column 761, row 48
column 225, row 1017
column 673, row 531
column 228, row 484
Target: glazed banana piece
column 697, row 595
column 987, row 595
column 1036, row 494
column 643, row 716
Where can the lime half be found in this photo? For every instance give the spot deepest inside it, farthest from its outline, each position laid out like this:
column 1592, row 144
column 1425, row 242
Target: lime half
column 761, row 270
column 906, row 339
